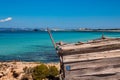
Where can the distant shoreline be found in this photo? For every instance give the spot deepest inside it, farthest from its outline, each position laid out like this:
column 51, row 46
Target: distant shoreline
column 70, row 31
column 55, row 29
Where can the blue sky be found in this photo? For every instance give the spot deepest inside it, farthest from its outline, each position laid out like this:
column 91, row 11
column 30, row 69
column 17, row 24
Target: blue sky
column 60, row 13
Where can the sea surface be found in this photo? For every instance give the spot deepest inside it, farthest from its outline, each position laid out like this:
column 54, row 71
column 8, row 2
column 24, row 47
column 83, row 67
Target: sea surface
column 37, row 46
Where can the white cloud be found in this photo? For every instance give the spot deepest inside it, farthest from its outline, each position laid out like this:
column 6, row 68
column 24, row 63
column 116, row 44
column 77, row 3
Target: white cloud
column 6, row 19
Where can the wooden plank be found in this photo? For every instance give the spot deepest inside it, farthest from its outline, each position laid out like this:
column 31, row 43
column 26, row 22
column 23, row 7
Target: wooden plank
column 88, row 45
column 115, row 76
column 93, row 63
column 91, row 56
column 90, row 49
column 93, row 71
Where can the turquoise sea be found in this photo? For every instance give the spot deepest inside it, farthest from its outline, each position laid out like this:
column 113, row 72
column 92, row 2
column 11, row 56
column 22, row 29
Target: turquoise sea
column 37, row 46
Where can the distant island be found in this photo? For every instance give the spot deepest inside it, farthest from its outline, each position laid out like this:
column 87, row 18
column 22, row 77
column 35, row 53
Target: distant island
column 57, row 29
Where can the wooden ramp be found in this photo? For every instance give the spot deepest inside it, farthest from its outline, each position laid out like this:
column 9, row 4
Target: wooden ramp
column 94, row 60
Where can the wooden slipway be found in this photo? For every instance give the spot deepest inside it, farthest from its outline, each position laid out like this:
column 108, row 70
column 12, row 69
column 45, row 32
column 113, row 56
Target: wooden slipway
column 94, row 60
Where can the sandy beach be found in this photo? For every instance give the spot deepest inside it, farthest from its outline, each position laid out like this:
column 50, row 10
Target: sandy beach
column 7, row 68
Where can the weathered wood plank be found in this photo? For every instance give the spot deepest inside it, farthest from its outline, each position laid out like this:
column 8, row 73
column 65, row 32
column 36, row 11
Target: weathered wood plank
column 90, row 49
column 115, row 76
column 91, row 56
column 95, row 60
column 94, row 63
column 90, row 44
column 94, row 71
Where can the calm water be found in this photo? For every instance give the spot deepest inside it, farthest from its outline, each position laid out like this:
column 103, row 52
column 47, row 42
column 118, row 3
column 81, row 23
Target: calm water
column 37, row 46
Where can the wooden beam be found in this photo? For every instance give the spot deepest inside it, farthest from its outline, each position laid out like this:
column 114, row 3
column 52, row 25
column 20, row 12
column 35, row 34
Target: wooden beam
column 91, row 49
column 93, row 63
column 93, row 71
column 88, row 45
column 115, row 76
column 53, row 42
column 91, row 56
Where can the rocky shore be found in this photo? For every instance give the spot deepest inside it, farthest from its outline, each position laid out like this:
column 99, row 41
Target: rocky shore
column 14, row 70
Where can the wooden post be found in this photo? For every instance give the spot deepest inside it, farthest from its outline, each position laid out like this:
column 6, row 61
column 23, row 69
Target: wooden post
column 53, row 42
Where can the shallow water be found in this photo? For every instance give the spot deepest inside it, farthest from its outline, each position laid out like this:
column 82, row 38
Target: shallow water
column 37, row 46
